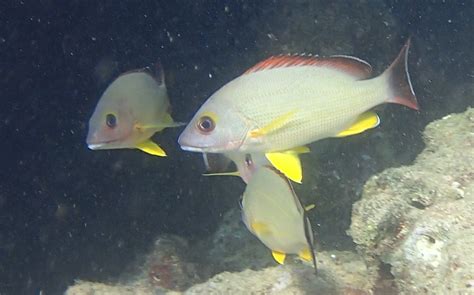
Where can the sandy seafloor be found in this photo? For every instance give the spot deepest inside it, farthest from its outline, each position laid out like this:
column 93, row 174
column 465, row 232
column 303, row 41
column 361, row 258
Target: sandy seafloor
column 69, row 214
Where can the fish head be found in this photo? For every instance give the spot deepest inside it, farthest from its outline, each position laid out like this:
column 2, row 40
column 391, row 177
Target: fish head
column 247, row 163
column 217, row 127
column 111, row 125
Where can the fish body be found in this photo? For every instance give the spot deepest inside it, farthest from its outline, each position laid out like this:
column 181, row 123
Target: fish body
column 133, row 108
column 272, row 212
column 290, row 101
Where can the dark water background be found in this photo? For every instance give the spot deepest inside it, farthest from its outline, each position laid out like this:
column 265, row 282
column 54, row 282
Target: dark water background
column 67, row 212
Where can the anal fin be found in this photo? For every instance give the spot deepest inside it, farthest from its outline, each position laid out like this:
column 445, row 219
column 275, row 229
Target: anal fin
column 306, row 255
column 151, row 148
column 365, row 121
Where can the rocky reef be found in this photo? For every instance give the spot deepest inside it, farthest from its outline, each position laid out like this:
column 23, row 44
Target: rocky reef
column 413, row 228
column 417, row 221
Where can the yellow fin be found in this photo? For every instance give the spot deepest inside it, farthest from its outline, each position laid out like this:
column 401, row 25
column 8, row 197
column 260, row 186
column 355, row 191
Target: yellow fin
column 309, row 207
column 161, row 126
column 364, row 122
column 306, row 255
column 260, row 228
column 275, row 124
column 279, row 257
column 288, row 163
column 151, row 148
column 234, row 173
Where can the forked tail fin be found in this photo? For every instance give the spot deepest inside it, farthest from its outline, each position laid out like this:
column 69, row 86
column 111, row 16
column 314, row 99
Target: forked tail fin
column 400, row 89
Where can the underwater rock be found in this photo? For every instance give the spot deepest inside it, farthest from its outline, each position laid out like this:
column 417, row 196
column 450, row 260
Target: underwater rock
column 238, row 263
column 417, row 220
column 166, row 268
column 91, row 288
column 241, row 264
column 338, row 273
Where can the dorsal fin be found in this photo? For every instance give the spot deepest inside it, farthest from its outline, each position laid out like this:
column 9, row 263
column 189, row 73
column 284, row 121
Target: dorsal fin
column 351, row 65
column 157, row 73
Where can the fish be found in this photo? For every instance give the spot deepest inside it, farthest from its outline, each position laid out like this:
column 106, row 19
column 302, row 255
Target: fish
column 131, row 110
column 284, row 103
column 246, row 164
column 272, row 211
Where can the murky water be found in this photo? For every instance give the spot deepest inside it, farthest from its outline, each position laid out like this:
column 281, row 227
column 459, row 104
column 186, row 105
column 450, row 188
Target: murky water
column 68, row 213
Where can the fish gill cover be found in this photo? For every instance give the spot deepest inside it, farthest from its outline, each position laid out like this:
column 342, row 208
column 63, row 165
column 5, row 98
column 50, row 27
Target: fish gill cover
column 69, row 213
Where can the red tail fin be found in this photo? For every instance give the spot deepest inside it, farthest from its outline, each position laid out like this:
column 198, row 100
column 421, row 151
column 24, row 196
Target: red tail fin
column 401, row 91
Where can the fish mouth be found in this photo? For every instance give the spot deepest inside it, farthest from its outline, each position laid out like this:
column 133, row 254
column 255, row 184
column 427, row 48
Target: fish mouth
column 109, row 144
column 214, row 149
column 95, row 146
column 192, row 149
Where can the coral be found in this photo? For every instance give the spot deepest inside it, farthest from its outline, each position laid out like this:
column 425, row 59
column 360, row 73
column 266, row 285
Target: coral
column 418, row 218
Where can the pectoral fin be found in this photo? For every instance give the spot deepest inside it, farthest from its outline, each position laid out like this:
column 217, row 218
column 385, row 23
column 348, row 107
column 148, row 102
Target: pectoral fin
column 288, row 162
column 234, row 173
column 260, row 228
column 166, row 122
column 279, row 257
column 309, row 207
column 275, row 124
column 364, row 122
column 151, row 148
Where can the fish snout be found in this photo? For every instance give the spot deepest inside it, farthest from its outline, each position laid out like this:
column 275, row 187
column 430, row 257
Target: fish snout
column 187, row 141
column 92, row 141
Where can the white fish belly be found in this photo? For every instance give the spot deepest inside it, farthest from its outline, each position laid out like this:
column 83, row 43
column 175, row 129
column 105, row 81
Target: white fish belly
column 322, row 102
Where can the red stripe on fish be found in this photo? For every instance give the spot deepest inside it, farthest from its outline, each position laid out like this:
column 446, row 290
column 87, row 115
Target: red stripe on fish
column 348, row 64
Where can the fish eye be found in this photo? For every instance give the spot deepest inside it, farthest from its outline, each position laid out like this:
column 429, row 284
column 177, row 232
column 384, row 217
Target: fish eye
column 111, row 120
column 206, row 124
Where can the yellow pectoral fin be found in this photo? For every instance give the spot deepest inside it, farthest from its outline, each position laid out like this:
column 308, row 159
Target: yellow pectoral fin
column 260, row 228
column 287, row 163
column 275, row 124
column 169, row 122
column 160, row 126
column 299, row 150
column 306, row 255
column 279, row 257
column 235, row 173
column 151, row 148
column 309, row 207
column 365, row 121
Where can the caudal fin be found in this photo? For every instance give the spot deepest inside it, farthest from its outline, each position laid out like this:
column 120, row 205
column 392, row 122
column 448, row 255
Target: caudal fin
column 400, row 89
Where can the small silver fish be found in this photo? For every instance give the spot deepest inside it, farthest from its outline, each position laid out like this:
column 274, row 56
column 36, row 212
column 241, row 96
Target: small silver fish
column 133, row 108
column 273, row 213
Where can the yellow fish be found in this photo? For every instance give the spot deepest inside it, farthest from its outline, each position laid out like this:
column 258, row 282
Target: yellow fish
column 133, row 108
column 287, row 102
column 273, row 213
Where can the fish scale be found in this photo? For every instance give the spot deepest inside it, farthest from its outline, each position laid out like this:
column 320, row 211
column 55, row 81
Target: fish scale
column 314, row 117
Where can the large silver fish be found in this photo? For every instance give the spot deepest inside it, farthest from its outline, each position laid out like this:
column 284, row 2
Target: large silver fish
column 286, row 102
